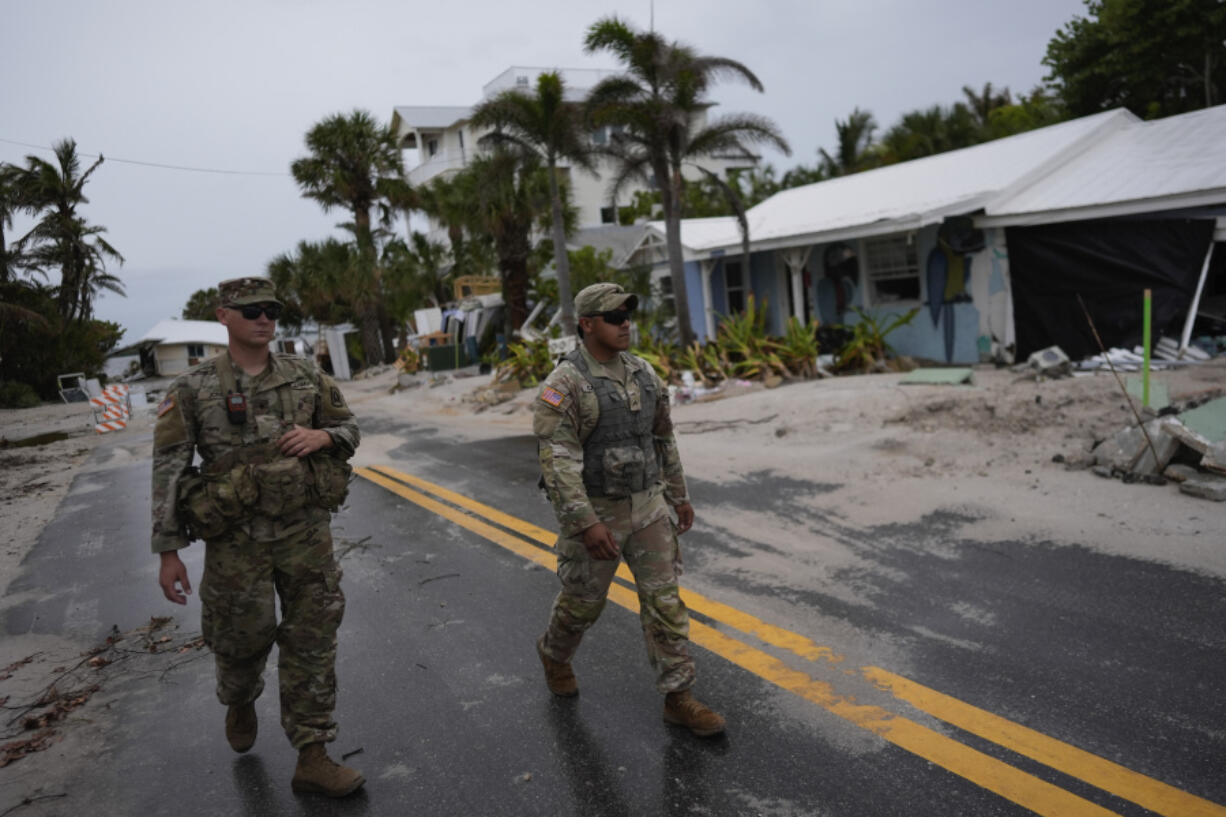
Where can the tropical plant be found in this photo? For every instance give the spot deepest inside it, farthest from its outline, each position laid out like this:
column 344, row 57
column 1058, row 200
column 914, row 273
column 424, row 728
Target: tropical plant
column 319, row 281
column 448, row 200
column 354, row 163
column 930, row 131
column 508, row 196
column 867, row 349
column 798, row 348
column 202, row 305
column 529, row 362
column 743, row 340
column 545, row 124
column 61, row 239
column 855, row 142
column 982, row 103
column 660, row 99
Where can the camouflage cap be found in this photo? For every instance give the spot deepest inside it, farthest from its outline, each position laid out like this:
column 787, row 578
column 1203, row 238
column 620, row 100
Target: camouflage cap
column 604, row 298
column 242, row 291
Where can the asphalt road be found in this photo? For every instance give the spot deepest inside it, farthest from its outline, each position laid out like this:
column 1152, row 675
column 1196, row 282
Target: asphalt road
column 1097, row 689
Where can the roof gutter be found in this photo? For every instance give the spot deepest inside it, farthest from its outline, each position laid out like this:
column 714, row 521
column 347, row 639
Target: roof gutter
column 1111, row 210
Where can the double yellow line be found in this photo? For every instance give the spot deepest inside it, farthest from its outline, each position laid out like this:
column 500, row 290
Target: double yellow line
column 1025, row 789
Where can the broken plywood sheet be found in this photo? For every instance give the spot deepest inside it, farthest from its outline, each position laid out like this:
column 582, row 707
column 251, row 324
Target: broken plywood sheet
column 939, row 377
column 1159, row 395
column 1209, row 420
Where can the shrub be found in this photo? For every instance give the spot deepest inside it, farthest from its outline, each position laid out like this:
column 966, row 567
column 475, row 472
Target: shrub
column 17, row 395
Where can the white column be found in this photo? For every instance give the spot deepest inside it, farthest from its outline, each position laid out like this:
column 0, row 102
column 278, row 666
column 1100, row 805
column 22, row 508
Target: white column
column 795, row 259
column 1186, row 337
column 705, row 268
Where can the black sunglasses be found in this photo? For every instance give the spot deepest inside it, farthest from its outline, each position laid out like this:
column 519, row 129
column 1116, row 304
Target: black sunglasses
column 252, row 311
column 615, row 317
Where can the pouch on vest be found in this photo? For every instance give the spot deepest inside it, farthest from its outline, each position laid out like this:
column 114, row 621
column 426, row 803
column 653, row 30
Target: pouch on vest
column 329, row 481
column 282, row 486
column 200, row 513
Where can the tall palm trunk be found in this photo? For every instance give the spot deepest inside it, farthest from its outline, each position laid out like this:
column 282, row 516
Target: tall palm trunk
column 368, row 307
column 561, row 260
column 671, row 199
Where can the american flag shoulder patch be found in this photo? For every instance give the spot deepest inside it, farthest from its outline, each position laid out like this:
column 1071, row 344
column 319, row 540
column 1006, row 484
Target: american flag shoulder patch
column 166, row 405
column 552, row 396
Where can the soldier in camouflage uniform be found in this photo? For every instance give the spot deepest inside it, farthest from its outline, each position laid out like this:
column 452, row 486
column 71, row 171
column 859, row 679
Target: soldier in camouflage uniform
column 611, row 470
column 273, row 434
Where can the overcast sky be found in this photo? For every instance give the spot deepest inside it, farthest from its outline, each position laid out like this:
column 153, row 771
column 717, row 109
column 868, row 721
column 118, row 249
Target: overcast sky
column 234, row 84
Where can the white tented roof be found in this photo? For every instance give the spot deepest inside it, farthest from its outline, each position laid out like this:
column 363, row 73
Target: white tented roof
column 906, row 195
column 428, row 117
column 176, row 331
column 1167, row 164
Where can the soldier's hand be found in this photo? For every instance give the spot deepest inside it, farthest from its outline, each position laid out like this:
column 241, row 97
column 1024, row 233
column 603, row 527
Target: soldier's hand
column 599, row 541
column 299, row 441
column 172, row 576
column 685, row 517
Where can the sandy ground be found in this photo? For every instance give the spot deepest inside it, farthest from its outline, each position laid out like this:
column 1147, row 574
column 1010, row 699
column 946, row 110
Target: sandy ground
column 882, row 451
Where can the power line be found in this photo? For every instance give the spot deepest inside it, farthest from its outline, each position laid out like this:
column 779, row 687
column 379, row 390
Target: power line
column 157, row 164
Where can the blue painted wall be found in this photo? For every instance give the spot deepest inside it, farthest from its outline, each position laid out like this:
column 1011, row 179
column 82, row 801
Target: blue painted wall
column 693, row 291
column 921, row 338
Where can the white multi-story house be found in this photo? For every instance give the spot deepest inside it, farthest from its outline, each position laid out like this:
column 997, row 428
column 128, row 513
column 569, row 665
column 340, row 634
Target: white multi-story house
column 446, row 142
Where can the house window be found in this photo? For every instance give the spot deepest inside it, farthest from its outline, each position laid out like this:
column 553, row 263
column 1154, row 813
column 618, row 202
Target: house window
column 431, row 146
column 195, row 350
column 893, row 270
column 734, row 286
column 600, row 136
column 608, row 215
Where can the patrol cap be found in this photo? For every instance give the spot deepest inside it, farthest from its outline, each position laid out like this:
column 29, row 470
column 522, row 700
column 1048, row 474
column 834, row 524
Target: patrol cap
column 604, row 297
column 243, row 291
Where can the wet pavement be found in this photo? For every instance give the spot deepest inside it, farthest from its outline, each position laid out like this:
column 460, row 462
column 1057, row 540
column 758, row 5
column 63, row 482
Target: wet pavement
column 442, row 699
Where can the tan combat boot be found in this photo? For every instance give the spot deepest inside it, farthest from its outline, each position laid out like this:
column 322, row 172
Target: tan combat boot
column 683, row 709
column 558, row 676
column 241, row 727
column 317, row 773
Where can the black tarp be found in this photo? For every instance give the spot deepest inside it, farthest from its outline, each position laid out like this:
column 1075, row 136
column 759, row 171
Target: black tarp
column 1109, row 263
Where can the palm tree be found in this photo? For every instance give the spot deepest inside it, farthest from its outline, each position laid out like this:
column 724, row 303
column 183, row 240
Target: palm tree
column 508, row 193
column 549, row 126
column 12, row 257
column 855, row 136
column 319, row 281
column 659, row 100
column 355, row 164
column 983, row 103
column 61, row 239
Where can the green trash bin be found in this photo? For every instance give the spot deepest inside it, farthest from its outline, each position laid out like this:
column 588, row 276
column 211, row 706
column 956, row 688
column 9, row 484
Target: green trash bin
column 443, row 358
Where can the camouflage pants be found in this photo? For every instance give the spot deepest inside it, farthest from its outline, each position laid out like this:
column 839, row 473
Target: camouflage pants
column 643, row 531
column 242, row 580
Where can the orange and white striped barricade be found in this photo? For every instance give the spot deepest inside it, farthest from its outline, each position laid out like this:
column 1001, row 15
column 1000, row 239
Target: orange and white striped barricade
column 112, row 409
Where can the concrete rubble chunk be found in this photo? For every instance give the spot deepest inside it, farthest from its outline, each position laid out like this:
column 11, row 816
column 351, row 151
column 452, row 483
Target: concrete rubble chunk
column 1129, row 451
column 1187, row 436
column 1050, row 362
column 1206, row 488
column 1215, row 458
column 1180, row 473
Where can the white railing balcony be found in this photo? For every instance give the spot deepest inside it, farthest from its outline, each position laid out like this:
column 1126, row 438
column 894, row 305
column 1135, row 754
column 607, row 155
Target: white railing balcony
column 434, row 166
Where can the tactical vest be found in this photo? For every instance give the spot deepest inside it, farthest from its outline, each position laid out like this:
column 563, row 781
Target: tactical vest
column 257, row 478
column 254, row 454
column 619, row 456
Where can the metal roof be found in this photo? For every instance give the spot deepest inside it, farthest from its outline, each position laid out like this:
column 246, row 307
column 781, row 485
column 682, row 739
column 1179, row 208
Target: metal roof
column 428, row 117
column 907, row 195
column 1167, row 164
column 176, row 331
